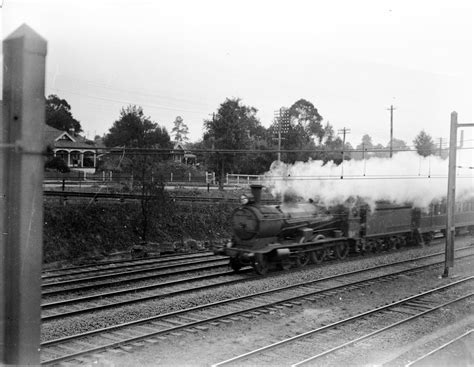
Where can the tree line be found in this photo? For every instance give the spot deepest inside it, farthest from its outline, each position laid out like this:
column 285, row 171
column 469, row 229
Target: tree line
column 299, row 130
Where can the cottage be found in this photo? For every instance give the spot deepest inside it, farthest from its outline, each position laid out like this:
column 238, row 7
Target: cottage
column 181, row 156
column 76, row 151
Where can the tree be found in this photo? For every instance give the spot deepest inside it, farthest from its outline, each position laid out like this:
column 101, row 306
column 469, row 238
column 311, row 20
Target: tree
column 397, row 144
column 180, row 130
column 333, row 149
column 424, row 144
column 366, row 144
column 134, row 130
column 233, row 127
column 304, row 114
column 367, row 147
column 303, row 129
column 59, row 116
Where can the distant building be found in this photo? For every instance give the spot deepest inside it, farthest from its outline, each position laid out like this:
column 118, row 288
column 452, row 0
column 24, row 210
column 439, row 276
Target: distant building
column 76, row 151
column 180, row 155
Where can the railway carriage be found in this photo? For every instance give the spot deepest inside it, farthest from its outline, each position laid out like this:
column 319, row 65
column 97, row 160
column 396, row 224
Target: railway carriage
column 434, row 219
column 294, row 234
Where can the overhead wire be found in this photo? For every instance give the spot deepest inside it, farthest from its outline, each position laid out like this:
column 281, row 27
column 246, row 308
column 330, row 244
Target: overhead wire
column 133, row 92
column 130, row 102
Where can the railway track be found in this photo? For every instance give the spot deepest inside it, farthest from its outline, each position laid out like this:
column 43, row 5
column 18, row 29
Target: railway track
column 354, row 329
column 198, row 318
column 122, row 197
column 102, row 279
column 113, row 265
column 427, row 359
column 110, row 276
column 112, row 299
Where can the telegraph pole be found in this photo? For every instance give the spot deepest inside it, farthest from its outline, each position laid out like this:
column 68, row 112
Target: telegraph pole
column 281, row 115
column 343, row 131
column 391, row 128
column 451, row 197
column 278, row 118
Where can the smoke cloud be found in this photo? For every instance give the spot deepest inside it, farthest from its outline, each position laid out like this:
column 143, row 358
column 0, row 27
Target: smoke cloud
column 406, row 177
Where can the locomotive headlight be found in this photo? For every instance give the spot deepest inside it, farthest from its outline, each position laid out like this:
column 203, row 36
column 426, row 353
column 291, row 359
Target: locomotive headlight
column 244, row 199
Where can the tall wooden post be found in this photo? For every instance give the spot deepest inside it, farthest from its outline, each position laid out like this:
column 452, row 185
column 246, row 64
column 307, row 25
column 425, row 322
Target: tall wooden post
column 21, row 192
column 451, row 197
column 451, row 203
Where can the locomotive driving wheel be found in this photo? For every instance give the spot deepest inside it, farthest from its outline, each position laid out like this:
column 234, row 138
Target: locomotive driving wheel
column 342, row 250
column 302, row 259
column 260, row 264
column 317, row 256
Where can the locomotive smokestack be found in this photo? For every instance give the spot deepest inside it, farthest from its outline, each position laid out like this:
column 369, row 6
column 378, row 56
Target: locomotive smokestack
column 256, row 192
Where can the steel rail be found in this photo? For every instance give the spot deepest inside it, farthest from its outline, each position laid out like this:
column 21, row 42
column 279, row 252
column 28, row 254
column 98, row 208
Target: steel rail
column 147, row 260
column 141, row 262
column 424, row 356
column 171, row 283
column 134, row 279
column 101, row 296
column 132, row 272
column 391, row 326
column 336, row 324
column 220, row 317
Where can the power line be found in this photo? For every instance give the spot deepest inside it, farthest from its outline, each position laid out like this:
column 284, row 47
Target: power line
column 257, row 151
column 134, row 92
column 128, row 102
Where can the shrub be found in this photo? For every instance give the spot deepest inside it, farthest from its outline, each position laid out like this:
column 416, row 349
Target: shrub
column 58, row 164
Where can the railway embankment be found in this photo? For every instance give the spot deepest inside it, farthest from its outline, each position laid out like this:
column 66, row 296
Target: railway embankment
column 93, row 230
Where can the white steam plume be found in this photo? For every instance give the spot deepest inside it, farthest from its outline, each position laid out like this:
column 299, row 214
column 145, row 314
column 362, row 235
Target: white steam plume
column 406, row 177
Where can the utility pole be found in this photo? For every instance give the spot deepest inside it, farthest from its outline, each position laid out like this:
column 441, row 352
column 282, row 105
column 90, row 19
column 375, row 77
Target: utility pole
column 343, row 131
column 391, row 128
column 440, row 147
column 451, row 197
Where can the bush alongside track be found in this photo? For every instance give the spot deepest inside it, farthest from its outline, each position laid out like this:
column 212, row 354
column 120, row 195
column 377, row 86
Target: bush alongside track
column 83, row 231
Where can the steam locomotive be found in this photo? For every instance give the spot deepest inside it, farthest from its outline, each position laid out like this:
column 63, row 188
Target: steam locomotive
column 294, row 234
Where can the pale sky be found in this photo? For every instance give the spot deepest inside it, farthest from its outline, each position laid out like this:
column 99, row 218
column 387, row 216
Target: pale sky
column 351, row 59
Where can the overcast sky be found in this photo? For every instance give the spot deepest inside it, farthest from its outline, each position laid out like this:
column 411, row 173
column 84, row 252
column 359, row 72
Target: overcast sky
column 351, row 59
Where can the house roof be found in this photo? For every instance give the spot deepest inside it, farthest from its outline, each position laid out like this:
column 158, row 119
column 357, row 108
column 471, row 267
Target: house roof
column 62, row 139
column 178, row 146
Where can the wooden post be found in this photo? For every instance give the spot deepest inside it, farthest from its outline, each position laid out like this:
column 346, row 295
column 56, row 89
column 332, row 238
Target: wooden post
column 451, row 203
column 21, row 179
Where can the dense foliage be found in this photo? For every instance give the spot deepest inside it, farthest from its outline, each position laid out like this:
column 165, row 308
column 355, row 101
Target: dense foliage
column 79, row 231
column 59, row 116
column 135, row 130
column 234, row 127
column 424, row 144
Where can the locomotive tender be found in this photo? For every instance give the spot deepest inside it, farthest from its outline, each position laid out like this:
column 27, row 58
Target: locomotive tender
column 294, row 234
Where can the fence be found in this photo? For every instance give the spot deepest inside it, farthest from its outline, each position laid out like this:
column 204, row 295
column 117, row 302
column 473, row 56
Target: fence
column 236, row 179
column 112, row 182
